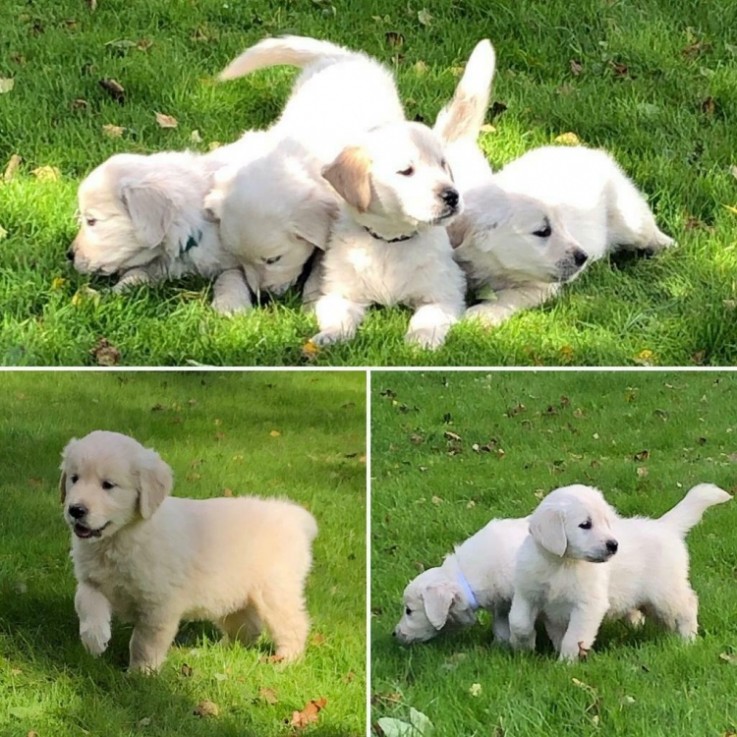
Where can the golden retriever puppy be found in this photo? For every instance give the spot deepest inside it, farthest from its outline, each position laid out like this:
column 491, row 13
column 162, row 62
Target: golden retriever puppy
column 155, row 560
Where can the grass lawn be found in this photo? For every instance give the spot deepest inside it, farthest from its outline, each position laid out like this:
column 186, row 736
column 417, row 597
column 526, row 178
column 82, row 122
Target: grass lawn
column 644, row 438
column 295, row 435
column 655, row 83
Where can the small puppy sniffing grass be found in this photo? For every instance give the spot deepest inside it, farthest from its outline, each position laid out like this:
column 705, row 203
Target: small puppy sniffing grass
column 155, row 560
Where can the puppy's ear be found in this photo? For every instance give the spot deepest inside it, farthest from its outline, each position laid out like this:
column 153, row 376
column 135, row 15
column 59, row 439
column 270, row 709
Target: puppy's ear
column 155, row 481
column 314, row 218
column 459, row 230
column 63, row 477
column 438, row 599
column 547, row 527
column 151, row 210
column 213, row 206
column 350, row 175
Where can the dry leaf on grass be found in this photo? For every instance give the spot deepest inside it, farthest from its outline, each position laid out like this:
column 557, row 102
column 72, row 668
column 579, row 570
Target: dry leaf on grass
column 105, row 353
column 186, row 670
column 206, row 709
column 576, row 67
column 195, row 137
column 567, row 139
column 166, row 121
column 114, row 89
column 275, row 434
column 113, row 131
column 47, row 174
column 268, row 695
column 6, row 84
column 424, row 17
column 310, row 351
column 308, row 715
column 12, row 167
column 85, row 295
column 394, row 39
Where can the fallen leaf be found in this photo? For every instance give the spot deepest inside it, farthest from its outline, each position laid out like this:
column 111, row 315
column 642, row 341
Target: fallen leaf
column 733, row 171
column 113, row 131
column 420, row 67
column 619, row 69
column 418, row 726
column 471, row 504
column 57, row 283
column 394, row 39
column 114, row 89
column 576, row 67
column 645, row 358
column 12, row 167
column 47, row 174
column 186, row 670
column 424, row 17
column 227, row 492
column 206, row 709
column 85, row 295
column 448, row 435
column 729, row 658
column 144, row 44
column 105, row 353
column 709, row 106
column 642, row 471
column 195, row 137
column 6, row 84
column 145, row 722
column 475, row 689
column 268, row 695
column 567, row 139
column 642, row 455
column 275, row 434
column 310, row 350
column 79, row 104
column 166, row 121
column 436, row 500
column 308, row 715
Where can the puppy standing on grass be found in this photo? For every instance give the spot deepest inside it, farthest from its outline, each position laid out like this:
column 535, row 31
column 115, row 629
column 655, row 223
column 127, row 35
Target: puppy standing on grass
column 155, row 560
column 389, row 245
column 562, row 574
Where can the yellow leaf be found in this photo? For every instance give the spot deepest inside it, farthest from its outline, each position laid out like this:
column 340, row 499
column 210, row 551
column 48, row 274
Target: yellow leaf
column 113, row 131
column 6, row 84
column 195, row 137
column 47, row 174
column 645, row 358
column 84, row 295
column 568, row 139
column 275, row 433
column 57, row 283
column 166, row 121
column 10, row 169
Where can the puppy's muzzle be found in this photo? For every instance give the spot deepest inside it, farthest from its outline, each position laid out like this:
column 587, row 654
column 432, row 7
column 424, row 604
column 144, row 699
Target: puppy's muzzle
column 451, row 203
column 77, row 512
column 572, row 264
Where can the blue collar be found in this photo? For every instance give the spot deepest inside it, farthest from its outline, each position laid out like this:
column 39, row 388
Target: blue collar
column 467, row 590
column 192, row 242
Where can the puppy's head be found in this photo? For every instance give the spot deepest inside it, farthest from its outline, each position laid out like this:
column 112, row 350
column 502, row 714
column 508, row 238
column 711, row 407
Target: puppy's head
column 109, row 480
column 575, row 522
column 127, row 206
column 273, row 213
column 432, row 601
column 397, row 174
column 527, row 239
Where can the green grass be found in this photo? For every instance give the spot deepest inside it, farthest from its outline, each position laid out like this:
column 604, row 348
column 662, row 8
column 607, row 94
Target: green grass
column 551, row 429
column 286, row 434
column 657, row 86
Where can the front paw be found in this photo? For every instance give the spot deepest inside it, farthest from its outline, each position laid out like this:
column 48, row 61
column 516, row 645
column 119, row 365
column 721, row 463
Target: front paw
column 95, row 638
column 231, row 304
column 486, row 313
column 328, row 337
column 428, row 338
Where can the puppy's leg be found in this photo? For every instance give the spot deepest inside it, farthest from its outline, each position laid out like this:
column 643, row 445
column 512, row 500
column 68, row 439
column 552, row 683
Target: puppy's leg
column 283, row 613
column 243, row 626
column 583, row 627
column 555, row 633
column 338, row 318
column 522, row 618
column 231, row 293
column 510, row 301
column 94, row 612
column 500, row 624
column 678, row 610
column 431, row 323
column 635, row 618
column 149, row 644
column 133, row 278
column 313, row 284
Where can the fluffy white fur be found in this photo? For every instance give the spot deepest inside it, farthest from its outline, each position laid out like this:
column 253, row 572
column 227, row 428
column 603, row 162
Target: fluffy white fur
column 155, row 560
column 276, row 209
column 142, row 218
column 538, row 222
column 484, row 566
column 562, row 571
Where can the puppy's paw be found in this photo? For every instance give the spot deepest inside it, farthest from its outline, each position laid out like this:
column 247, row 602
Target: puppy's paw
column 95, row 637
column 327, row 337
column 635, row 618
column 429, row 338
column 231, row 304
column 486, row 313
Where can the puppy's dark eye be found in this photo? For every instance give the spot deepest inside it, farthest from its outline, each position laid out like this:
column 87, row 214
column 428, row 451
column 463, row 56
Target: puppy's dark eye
column 586, row 525
column 272, row 260
column 543, row 232
column 408, row 172
column 74, row 478
column 107, row 485
column 90, row 221
column 408, row 611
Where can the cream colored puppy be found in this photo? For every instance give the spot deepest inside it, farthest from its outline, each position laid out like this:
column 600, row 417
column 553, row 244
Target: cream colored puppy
column 276, row 209
column 389, row 245
column 479, row 574
column 154, row 560
column 537, row 223
column 561, row 572
column 142, row 218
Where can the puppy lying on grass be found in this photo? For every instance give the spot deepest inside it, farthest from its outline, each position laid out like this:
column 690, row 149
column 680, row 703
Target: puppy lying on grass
column 155, row 560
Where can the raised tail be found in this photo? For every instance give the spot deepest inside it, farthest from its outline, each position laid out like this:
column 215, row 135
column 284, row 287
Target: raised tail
column 296, row 51
column 688, row 512
column 464, row 115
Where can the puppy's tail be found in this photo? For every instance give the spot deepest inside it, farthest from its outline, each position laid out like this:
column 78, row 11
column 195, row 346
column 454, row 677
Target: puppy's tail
column 463, row 116
column 308, row 524
column 688, row 512
column 296, row 51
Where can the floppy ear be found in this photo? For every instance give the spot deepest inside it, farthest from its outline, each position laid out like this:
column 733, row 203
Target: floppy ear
column 547, row 527
column 459, row 230
column 63, row 477
column 314, row 220
column 155, row 481
column 350, row 176
column 213, row 206
column 438, row 600
column 150, row 209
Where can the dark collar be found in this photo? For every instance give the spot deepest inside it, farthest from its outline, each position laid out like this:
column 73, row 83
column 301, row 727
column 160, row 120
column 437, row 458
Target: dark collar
column 192, row 242
column 398, row 239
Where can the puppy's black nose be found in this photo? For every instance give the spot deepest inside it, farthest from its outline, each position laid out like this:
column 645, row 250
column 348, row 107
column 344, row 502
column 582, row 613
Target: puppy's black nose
column 450, row 197
column 612, row 546
column 70, row 254
column 77, row 511
column 580, row 257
